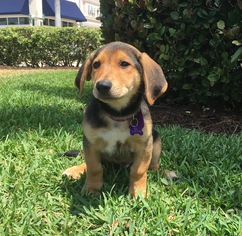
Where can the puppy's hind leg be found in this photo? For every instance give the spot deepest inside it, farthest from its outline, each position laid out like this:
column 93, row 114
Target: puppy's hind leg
column 154, row 164
column 75, row 172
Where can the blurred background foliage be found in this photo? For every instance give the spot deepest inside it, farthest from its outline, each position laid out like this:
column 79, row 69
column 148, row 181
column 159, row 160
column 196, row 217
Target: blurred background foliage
column 197, row 43
column 47, row 46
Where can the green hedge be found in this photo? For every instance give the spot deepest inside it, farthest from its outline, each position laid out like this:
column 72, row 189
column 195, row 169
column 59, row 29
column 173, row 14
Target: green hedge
column 198, row 43
column 46, row 46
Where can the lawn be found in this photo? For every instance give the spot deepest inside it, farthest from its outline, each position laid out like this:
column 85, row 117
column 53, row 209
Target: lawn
column 40, row 117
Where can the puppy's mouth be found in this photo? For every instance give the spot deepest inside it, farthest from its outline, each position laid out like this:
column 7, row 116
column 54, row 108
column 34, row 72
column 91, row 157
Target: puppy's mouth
column 105, row 91
column 108, row 96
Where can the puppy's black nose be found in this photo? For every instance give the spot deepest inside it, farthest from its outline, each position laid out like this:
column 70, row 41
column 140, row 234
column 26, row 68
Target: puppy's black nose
column 103, row 86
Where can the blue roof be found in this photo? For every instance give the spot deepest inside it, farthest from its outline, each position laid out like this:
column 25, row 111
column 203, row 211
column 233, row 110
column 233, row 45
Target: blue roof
column 8, row 7
column 69, row 10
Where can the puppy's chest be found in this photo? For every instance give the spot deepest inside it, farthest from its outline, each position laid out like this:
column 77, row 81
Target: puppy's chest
column 115, row 143
column 114, row 138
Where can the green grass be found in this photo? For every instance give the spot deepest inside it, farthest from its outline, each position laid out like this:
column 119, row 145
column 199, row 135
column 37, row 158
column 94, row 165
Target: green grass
column 40, row 116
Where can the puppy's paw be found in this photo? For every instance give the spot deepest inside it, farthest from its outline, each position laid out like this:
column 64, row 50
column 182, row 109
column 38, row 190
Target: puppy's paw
column 94, row 187
column 74, row 172
column 138, row 193
column 93, row 192
column 170, row 175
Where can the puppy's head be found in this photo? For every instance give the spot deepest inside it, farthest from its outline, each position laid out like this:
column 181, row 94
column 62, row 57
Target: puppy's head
column 118, row 71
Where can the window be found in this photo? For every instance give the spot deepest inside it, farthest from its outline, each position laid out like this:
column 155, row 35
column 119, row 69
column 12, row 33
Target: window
column 51, row 22
column 92, row 10
column 46, row 22
column 23, row 20
column 3, row 21
column 13, row 21
column 67, row 24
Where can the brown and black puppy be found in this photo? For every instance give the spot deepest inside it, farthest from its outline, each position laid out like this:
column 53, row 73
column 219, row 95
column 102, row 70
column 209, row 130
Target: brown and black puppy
column 117, row 123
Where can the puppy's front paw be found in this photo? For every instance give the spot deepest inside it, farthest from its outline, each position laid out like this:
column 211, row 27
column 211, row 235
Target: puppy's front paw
column 74, row 172
column 138, row 187
column 136, row 192
column 170, row 175
column 93, row 192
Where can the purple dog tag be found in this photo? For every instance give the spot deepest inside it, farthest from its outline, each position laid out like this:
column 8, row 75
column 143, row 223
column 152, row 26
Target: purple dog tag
column 137, row 124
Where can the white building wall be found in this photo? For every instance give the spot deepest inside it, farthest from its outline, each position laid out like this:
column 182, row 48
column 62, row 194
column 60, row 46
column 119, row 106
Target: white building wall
column 91, row 10
column 36, row 12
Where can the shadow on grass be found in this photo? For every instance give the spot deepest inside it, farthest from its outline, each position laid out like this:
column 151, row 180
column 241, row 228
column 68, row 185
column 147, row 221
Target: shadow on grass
column 58, row 91
column 63, row 91
column 35, row 116
column 116, row 180
column 33, row 111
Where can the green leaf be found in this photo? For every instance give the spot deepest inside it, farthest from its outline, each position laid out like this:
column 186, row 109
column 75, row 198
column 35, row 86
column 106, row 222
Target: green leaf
column 151, row 8
column 225, row 55
column 236, row 42
column 148, row 26
column 172, row 31
column 134, row 24
column 187, row 86
column 203, row 61
column 213, row 77
column 236, row 55
column 164, row 56
column 155, row 36
column 183, row 4
column 162, row 31
column 164, row 181
column 162, row 48
column 202, row 13
column 101, row 217
column 221, row 24
column 174, row 15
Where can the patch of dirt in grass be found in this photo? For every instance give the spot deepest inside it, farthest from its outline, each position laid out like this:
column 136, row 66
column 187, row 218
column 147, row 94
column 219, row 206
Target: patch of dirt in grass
column 211, row 120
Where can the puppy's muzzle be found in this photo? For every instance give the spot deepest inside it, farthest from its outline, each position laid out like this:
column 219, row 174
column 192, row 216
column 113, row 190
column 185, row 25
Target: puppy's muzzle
column 103, row 87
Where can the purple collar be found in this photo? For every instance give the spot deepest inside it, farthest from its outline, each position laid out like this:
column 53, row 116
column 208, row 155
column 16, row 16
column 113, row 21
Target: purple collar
column 120, row 119
column 136, row 123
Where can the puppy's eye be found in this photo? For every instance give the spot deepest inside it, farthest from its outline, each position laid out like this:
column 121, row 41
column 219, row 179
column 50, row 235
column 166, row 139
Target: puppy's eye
column 96, row 64
column 124, row 64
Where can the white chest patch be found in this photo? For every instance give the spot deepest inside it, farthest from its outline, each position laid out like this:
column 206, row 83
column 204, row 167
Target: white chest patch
column 112, row 137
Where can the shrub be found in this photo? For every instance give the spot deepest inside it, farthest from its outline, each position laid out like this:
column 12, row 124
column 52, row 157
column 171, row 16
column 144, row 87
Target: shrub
column 46, row 46
column 198, row 43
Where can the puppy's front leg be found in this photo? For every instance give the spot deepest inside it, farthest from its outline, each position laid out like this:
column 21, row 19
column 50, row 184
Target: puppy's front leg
column 138, row 171
column 94, row 176
column 137, row 183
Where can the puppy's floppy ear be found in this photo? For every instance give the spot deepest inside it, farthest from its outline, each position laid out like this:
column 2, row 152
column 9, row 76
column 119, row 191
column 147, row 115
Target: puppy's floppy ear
column 154, row 79
column 84, row 73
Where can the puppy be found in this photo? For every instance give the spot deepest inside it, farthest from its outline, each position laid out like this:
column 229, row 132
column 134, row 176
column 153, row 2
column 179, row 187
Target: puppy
column 117, row 124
